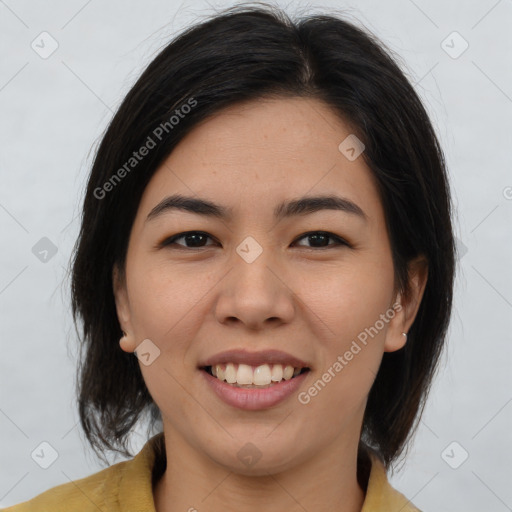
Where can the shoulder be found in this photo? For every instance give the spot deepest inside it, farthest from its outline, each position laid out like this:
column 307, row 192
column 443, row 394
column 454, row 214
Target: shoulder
column 122, row 487
column 380, row 495
column 95, row 492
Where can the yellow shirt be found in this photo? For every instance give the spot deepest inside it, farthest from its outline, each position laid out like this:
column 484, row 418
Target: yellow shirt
column 128, row 487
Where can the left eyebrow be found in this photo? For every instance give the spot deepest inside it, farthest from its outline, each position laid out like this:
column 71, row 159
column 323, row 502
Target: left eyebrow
column 301, row 206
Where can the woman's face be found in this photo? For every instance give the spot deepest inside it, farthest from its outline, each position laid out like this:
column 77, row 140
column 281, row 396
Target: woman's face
column 269, row 287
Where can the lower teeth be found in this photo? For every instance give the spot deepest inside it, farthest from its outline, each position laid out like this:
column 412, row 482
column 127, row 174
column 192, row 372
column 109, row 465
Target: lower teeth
column 236, row 385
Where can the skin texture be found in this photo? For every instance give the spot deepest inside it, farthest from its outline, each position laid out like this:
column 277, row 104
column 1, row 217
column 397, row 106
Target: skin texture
column 308, row 300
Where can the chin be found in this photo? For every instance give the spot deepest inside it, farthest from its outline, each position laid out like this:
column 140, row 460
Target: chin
column 256, row 456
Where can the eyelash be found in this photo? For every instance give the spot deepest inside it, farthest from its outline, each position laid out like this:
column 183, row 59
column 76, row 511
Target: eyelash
column 171, row 240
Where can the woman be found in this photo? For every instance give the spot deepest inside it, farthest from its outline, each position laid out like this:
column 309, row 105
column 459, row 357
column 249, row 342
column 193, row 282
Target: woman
column 267, row 229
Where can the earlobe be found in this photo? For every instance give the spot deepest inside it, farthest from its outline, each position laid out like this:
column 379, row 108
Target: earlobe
column 127, row 343
column 407, row 305
column 396, row 335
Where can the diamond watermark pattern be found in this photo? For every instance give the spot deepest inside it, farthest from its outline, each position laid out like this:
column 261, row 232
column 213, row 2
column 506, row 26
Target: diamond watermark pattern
column 249, row 454
column 351, row 147
column 249, row 249
column 44, row 45
column 44, row 250
column 454, row 45
column 44, row 455
column 454, row 455
column 147, row 352
column 461, row 248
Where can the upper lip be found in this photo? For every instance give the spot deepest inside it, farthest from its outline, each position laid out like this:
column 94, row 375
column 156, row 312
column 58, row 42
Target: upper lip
column 241, row 356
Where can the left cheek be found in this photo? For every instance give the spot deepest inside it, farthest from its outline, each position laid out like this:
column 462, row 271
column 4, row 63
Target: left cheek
column 346, row 301
column 347, row 376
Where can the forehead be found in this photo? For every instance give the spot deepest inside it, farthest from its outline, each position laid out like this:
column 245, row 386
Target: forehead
column 253, row 155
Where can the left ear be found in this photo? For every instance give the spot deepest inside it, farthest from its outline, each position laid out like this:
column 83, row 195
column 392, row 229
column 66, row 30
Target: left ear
column 406, row 305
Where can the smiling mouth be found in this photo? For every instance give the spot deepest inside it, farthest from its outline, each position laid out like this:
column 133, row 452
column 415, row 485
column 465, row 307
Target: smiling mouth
column 260, row 377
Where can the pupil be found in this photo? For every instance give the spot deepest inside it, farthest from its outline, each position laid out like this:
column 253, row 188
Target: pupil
column 195, row 236
column 316, row 237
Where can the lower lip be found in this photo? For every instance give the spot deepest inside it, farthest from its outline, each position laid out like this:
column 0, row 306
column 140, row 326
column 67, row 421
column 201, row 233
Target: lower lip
column 254, row 399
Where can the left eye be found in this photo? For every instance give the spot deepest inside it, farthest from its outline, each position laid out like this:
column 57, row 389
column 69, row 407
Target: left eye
column 319, row 239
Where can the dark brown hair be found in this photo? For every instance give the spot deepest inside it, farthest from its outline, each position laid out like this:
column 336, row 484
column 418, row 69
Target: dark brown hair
column 246, row 53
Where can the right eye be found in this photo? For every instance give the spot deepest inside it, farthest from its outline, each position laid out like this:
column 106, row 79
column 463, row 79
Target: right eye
column 194, row 238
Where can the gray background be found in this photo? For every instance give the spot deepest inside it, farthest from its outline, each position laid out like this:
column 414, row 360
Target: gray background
column 53, row 110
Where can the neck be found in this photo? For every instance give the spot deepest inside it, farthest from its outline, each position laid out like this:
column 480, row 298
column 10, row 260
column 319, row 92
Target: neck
column 326, row 482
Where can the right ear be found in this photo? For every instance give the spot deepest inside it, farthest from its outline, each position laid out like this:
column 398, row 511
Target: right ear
column 127, row 342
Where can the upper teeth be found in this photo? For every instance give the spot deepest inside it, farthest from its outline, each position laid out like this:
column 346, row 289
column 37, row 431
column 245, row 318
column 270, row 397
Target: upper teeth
column 261, row 375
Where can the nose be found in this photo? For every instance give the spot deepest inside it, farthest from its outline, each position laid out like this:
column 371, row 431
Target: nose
column 256, row 295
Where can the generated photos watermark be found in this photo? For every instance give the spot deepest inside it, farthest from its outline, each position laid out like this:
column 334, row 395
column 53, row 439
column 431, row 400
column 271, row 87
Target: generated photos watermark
column 344, row 359
column 151, row 142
